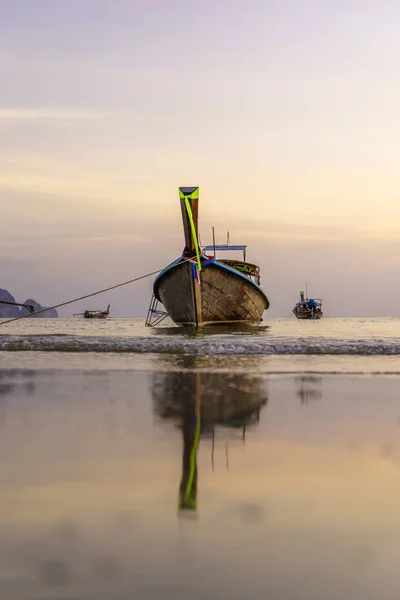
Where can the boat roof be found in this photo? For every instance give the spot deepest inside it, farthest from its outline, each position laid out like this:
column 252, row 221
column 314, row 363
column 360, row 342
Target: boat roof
column 223, row 247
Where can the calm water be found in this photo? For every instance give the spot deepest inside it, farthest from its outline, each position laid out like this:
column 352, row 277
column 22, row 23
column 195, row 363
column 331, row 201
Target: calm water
column 152, row 464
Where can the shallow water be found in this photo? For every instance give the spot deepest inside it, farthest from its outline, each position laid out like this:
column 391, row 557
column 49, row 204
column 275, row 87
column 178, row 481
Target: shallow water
column 295, row 485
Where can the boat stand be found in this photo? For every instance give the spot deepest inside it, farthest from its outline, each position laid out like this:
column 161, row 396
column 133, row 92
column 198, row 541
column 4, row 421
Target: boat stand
column 154, row 315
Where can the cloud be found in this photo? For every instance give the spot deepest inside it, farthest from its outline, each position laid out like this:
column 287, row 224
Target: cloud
column 18, row 114
column 15, row 262
column 66, row 184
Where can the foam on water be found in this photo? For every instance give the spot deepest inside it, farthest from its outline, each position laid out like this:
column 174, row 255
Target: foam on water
column 280, row 337
column 211, row 345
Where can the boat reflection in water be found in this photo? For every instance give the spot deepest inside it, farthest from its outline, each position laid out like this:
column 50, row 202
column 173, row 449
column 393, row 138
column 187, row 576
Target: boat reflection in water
column 309, row 387
column 201, row 402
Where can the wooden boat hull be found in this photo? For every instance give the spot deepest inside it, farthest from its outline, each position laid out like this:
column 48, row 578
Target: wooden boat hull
column 226, row 295
column 308, row 317
column 100, row 316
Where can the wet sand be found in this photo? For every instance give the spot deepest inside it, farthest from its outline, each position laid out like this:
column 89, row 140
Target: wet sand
column 293, row 494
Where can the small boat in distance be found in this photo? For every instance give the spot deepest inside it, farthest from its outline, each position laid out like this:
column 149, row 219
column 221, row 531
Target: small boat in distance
column 308, row 308
column 200, row 289
column 94, row 314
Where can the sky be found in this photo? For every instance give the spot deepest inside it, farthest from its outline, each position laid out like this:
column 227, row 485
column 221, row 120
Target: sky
column 284, row 113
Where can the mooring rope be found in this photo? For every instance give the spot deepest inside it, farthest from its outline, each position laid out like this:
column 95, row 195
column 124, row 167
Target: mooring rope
column 113, row 287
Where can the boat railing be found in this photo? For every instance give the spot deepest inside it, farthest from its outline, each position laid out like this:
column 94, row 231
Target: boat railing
column 305, row 301
column 250, row 270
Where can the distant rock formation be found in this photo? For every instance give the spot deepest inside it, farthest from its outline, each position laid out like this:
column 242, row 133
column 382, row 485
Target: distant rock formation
column 49, row 314
column 7, row 311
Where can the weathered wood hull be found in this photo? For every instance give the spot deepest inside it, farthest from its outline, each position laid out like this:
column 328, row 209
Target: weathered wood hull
column 308, row 316
column 96, row 316
column 227, row 296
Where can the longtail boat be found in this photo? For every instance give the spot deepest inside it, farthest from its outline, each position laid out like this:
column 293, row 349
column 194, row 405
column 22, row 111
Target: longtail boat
column 200, row 289
column 308, row 308
column 94, row 314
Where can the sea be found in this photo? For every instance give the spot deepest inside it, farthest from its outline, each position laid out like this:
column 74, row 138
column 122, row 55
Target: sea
column 159, row 463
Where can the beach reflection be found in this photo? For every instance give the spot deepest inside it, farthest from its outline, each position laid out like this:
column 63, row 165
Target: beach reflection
column 309, row 387
column 293, row 480
column 201, row 404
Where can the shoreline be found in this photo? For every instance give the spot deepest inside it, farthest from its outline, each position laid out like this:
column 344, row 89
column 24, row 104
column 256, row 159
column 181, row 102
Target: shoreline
column 251, row 364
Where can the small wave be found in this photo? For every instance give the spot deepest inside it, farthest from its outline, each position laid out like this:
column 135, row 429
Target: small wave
column 228, row 345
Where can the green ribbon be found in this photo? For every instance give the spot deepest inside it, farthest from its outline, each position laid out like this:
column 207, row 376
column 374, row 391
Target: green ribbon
column 194, row 234
column 192, row 463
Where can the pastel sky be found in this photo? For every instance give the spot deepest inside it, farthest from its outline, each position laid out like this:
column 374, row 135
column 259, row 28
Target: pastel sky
column 285, row 113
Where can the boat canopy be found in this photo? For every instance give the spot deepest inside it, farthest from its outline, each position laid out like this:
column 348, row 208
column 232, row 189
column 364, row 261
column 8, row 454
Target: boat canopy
column 224, row 247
